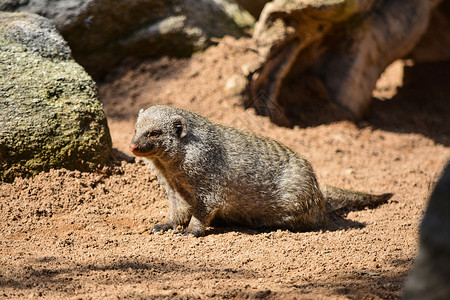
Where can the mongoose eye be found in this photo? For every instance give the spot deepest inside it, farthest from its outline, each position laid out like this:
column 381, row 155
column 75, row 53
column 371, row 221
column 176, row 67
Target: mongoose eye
column 154, row 133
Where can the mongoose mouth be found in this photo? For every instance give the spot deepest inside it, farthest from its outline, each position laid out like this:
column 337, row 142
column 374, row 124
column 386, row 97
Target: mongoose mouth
column 142, row 152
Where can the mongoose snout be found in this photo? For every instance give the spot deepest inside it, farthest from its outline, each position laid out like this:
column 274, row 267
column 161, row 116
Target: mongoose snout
column 135, row 149
column 211, row 171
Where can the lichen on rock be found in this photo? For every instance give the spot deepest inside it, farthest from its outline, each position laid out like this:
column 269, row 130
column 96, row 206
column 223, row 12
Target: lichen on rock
column 50, row 113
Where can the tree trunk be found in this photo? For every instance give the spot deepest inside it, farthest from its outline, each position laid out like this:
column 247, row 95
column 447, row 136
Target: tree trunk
column 323, row 58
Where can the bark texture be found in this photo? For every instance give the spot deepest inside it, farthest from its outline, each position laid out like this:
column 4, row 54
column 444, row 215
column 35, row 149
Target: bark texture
column 321, row 59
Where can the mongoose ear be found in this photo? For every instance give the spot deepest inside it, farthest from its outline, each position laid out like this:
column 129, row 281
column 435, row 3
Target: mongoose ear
column 180, row 126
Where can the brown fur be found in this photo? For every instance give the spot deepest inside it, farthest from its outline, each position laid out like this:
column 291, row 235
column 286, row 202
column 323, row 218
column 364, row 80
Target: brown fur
column 212, row 171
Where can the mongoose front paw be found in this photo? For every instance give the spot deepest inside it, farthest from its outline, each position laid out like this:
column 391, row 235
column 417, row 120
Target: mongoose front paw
column 161, row 227
column 196, row 233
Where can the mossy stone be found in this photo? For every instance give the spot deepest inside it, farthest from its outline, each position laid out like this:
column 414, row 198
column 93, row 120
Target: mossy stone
column 51, row 116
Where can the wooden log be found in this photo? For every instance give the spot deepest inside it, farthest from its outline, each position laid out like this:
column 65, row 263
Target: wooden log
column 321, row 59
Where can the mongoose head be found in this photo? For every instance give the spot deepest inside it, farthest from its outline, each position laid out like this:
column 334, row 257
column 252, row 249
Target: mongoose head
column 159, row 131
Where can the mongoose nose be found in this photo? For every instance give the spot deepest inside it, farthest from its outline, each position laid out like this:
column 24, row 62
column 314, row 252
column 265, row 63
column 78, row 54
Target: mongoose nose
column 134, row 148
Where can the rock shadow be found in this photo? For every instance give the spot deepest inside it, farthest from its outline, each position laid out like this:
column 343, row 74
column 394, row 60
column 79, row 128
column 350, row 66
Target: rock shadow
column 421, row 105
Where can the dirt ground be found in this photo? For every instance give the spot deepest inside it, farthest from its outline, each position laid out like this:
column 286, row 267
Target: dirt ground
column 67, row 234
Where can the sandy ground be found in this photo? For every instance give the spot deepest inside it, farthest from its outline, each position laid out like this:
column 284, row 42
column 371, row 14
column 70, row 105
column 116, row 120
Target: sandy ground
column 67, row 234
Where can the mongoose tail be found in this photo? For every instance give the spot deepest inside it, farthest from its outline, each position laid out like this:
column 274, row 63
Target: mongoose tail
column 339, row 198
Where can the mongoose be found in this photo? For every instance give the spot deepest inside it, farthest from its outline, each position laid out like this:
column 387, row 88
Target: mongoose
column 211, row 171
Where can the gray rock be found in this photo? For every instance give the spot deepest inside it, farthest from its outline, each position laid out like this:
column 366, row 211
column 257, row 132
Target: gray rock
column 430, row 278
column 50, row 113
column 101, row 33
